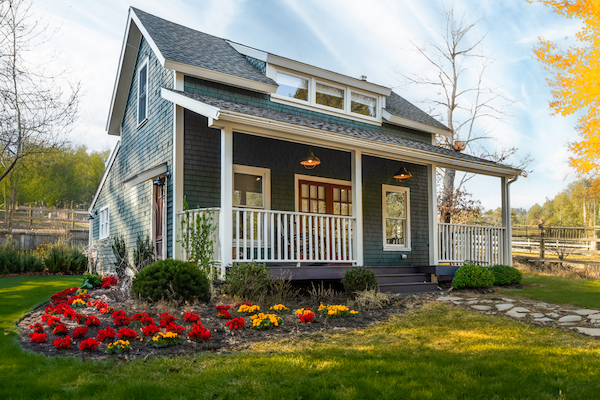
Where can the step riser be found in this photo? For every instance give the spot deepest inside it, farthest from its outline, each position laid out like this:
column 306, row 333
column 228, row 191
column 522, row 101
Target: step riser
column 409, row 288
column 393, row 270
column 403, row 279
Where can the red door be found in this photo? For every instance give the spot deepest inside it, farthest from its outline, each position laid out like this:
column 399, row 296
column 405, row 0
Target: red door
column 159, row 195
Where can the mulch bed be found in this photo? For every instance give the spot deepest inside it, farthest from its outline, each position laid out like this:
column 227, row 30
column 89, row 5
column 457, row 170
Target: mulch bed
column 223, row 340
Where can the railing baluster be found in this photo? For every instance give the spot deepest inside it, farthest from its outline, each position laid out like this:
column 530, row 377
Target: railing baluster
column 322, row 238
column 343, row 222
column 245, row 247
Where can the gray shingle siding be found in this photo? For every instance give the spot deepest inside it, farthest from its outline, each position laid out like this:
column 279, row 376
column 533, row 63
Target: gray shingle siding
column 260, row 65
column 141, row 148
column 377, row 172
column 224, row 92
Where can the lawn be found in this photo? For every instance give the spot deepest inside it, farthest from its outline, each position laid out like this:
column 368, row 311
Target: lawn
column 553, row 289
column 436, row 352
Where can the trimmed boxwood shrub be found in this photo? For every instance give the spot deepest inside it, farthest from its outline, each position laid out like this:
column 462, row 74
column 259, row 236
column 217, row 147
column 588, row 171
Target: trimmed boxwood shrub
column 171, row 279
column 358, row 279
column 248, row 281
column 505, row 275
column 473, row 276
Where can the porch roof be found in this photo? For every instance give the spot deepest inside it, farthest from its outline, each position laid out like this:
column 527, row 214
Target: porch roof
column 219, row 109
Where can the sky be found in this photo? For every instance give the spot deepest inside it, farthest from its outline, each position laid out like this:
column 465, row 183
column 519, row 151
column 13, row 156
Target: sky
column 352, row 37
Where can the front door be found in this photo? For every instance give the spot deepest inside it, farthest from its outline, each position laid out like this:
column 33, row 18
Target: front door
column 159, row 195
column 324, row 198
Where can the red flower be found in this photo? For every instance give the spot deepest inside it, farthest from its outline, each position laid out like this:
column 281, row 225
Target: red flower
column 92, row 320
column 106, row 310
column 166, row 319
column 69, row 313
column 80, row 331
column 175, row 328
column 88, row 344
column 37, row 327
column 191, row 317
column 127, row 333
column 63, row 343
column 99, row 304
column 236, row 323
column 247, row 303
column 60, row 329
column 199, row 333
column 38, row 337
column 122, row 320
column 223, row 313
column 119, row 313
column 109, row 281
column 50, row 320
column 81, row 318
column 306, row 318
column 147, row 320
column 150, row 330
column 222, row 307
column 63, row 295
column 107, row 333
column 139, row 316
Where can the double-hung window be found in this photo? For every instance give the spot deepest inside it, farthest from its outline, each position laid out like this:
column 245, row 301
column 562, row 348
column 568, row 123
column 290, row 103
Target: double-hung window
column 104, row 225
column 142, row 98
column 396, row 218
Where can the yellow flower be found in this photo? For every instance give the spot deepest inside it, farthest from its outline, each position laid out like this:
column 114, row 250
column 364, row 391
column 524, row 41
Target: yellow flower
column 353, row 312
column 279, row 307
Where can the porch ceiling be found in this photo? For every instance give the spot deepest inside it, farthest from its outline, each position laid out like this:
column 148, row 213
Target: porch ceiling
column 377, row 142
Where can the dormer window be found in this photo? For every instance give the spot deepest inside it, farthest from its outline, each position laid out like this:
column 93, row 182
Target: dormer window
column 326, row 96
column 292, row 86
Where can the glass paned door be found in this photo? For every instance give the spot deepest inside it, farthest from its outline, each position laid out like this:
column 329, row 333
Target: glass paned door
column 324, row 198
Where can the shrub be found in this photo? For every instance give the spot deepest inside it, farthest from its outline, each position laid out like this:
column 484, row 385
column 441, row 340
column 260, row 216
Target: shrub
column 171, row 279
column 121, row 257
column 505, row 275
column 143, row 254
column 247, row 281
column 473, row 276
column 10, row 262
column 65, row 259
column 91, row 281
column 358, row 279
column 31, row 262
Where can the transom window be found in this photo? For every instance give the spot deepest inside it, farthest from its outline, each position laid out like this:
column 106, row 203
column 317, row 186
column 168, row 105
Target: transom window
column 396, row 218
column 330, row 96
column 292, row 86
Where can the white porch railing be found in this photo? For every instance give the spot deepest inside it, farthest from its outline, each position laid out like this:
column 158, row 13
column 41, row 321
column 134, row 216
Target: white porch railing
column 479, row 244
column 282, row 236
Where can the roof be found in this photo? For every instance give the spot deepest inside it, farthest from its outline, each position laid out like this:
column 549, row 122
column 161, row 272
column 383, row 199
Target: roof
column 219, row 105
column 188, row 46
column 397, row 105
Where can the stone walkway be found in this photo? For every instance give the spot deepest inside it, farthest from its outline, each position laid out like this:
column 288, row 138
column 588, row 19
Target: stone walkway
column 585, row 321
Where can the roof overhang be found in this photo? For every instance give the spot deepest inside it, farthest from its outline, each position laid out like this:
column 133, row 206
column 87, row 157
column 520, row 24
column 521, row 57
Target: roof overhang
column 255, row 125
column 109, row 164
column 407, row 123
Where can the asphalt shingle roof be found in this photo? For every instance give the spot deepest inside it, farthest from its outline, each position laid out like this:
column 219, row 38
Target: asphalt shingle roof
column 397, row 105
column 313, row 123
column 188, row 46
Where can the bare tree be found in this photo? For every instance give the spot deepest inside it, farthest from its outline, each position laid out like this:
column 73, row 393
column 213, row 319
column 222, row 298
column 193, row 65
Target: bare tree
column 462, row 93
column 35, row 114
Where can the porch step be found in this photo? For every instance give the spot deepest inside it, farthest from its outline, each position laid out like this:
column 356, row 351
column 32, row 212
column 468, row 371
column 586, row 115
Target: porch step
column 411, row 287
column 402, row 278
column 394, row 269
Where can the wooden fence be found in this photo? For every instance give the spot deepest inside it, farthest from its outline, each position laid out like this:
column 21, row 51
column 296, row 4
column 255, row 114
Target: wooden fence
column 556, row 239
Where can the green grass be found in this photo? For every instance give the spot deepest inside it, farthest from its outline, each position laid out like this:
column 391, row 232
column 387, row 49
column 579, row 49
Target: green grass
column 553, row 289
column 439, row 352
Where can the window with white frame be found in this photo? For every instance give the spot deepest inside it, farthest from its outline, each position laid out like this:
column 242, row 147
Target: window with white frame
column 251, row 187
column 396, row 218
column 311, row 92
column 104, row 224
column 142, row 98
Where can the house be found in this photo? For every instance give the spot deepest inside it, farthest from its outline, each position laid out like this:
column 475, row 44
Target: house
column 303, row 168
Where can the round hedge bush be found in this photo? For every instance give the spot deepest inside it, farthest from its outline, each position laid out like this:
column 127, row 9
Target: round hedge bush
column 171, row 279
column 505, row 275
column 358, row 279
column 473, row 276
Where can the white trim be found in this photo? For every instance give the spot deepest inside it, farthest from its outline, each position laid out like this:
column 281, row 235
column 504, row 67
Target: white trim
column 151, row 43
column 266, row 183
column 177, row 165
column 377, row 116
column 249, row 51
column 190, row 104
column 104, row 222
column 146, row 175
column 407, row 123
column 397, row 189
column 145, row 64
column 328, row 75
column 111, row 160
column 220, row 77
column 357, row 207
column 225, row 225
column 433, row 210
column 90, row 232
column 298, row 177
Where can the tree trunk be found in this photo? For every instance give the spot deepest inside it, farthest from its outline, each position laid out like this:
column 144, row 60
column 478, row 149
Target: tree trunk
column 447, row 195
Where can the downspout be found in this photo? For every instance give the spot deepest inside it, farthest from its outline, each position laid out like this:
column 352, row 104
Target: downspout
column 509, row 222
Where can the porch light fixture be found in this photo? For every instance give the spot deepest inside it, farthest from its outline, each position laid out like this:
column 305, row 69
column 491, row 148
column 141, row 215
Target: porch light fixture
column 311, row 161
column 91, row 215
column 158, row 182
column 402, row 174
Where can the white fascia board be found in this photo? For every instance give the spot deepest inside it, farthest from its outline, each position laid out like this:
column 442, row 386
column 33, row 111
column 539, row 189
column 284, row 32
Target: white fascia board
column 297, row 133
column 193, row 105
column 220, row 77
column 144, row 176
column 249, row 51
column 328, row 75
column 111, row 160
column 407, row 123
column 151, row 43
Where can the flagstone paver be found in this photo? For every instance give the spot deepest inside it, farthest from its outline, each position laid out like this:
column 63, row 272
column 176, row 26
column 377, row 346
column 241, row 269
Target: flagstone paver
column 504, row 307
column 516, row 314
column 482, row 308
column 537, row 315
column 594, row 316
column 589, row 331
column 520, row 309
column 544, row 319
column 585, row 311
column 553, row 315
column 449, row 298
column 570, row 318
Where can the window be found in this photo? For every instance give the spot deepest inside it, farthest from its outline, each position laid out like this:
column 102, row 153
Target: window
column 251, row 187
column 104, row 223
column 396, row 218
column 142, row 109
column 292, row 86
column 325, row 198
column 362, row 104
column 330, row 96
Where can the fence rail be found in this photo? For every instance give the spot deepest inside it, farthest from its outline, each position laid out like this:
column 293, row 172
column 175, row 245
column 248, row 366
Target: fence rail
column 557, row 239
column 458, row 243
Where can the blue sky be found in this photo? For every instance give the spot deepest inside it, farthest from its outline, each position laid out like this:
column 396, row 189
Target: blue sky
column 352, row 37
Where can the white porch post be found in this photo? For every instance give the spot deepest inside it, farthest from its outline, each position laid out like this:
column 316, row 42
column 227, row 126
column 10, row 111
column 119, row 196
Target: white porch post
column 357, row 206
column 506, row 223
column 225, row 216
column 177, row 168
column 433, row 210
